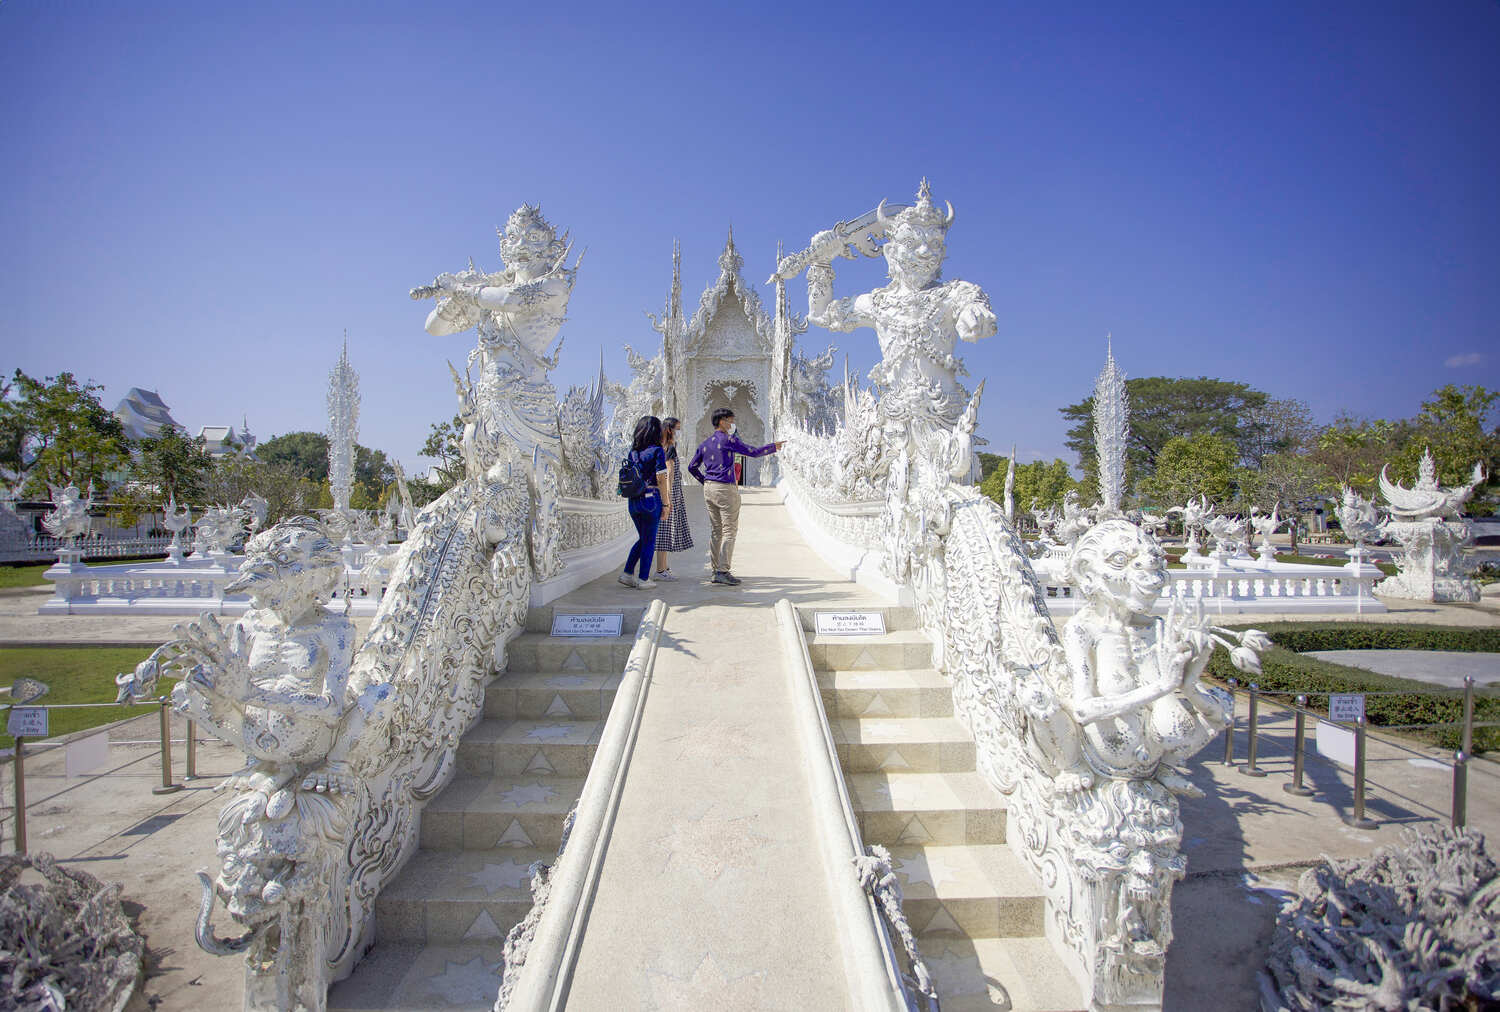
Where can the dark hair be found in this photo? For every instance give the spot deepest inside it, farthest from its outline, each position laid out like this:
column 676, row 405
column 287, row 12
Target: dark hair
column 720, row 415
column 647, row 433
column 670, row 424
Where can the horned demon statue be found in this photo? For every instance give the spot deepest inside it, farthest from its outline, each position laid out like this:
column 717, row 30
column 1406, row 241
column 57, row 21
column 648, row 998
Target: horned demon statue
column 1084, row 731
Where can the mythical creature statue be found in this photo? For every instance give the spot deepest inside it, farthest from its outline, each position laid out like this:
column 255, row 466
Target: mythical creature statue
column 69, row 519
column 1426, row 499
column 1195, row 515
column 1425, row 520
column 1358, row 518
column 813, row 402
column 918, row 321
column 580, row 423
column 642, row 397
column 1227, row 532
column 218, row 529
column 1265, row 526
column 255, row 510
column 511, row 408
column 1076, row 518
column 177, row 520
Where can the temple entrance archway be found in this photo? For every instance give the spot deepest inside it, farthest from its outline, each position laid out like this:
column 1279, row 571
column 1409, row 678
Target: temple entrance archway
column 739, row 396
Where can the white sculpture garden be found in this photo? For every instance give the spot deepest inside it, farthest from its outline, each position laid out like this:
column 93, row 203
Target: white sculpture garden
column 1083, row 722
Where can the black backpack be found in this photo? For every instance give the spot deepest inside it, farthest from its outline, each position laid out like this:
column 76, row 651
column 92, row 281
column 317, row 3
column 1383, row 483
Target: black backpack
column 632, row 483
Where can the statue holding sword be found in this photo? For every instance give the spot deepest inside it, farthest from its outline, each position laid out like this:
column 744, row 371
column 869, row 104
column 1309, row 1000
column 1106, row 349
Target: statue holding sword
column 918, row 319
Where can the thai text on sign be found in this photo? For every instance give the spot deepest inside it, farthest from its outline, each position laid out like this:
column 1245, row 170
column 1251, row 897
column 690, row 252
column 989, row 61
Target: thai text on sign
column 27, row 722
column 590, row 624
column 850, row 623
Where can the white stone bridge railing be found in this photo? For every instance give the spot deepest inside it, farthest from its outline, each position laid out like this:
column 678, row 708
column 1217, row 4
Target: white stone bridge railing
column 593, row 533
column 1249, row 587
column 43, row 547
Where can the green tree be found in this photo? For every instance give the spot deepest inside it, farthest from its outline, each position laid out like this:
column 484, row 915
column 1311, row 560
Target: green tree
column 56, row 431
column 174, row 464
column 1164, row 408
column 1039, row 482
column 306, row 453
column 1291, row 481
column 445, row 445
column 988, row 464
column 1190, row 466
column 1277, row 426
column 373, row 476
column 287, row 492
column 1352, row 450
column 1457, row 424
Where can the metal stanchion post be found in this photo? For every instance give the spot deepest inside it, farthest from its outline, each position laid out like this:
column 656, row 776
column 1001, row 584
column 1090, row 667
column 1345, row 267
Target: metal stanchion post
column 1249, row 769
column 1460, row 789
column 20, row 795
column 1229, row 731
column 167, row 787
column 1468, row 742
column 190, row 756
column 1357, row 817
column 1299, row 752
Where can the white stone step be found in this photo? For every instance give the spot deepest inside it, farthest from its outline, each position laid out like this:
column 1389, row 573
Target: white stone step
column 916, row 692
column 497, row 747
column 921, row 808
column 477, row 813
column 569, row 695
column 540, row 652
column 974, row 890
column 411, row 977
column 900, row 648
column 999, row 975
column 903, row 744
column 458, row 896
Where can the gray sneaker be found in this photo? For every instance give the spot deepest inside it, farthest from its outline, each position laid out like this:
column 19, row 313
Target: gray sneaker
column 725, row 579
column 733, row 581
column 665, row 576
column 628, row 579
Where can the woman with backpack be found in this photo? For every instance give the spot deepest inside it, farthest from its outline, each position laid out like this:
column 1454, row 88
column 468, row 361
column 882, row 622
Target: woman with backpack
column 638, row 483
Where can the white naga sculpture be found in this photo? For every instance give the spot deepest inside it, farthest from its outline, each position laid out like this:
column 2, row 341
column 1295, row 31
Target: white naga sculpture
column 69, row 519
column 1084, row 738
column 218, row 529
column 1359, row 520
column 1425, row 520
column 1265, row 526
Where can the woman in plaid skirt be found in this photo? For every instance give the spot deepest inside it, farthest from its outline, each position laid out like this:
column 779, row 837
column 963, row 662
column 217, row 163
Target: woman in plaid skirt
column 674, row 535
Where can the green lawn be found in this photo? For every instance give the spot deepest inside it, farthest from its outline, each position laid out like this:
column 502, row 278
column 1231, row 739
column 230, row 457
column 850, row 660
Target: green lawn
column 75, row 675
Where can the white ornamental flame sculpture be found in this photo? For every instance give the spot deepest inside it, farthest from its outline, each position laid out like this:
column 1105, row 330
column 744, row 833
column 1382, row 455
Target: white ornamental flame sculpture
column 1083, row 733
column 1425, row 520
column 343, row 427
column 1111, row 432
column 69, row 519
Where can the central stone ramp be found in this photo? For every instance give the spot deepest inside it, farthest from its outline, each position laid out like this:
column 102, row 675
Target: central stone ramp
column 712, row 894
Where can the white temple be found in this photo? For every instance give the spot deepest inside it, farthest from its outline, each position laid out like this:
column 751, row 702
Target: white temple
column 144, row 414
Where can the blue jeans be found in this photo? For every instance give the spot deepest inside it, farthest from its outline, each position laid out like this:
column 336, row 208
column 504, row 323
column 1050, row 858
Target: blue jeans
column 646, row 512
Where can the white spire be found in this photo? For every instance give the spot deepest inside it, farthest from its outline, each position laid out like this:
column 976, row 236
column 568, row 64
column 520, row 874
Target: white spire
column 1111, row 430
column 343, row 427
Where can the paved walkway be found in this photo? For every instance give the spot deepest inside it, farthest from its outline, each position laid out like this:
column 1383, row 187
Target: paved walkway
column 711, row 893
column 1436, row 667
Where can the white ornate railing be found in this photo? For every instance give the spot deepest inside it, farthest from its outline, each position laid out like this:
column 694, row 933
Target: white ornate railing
column 1256, row 587
column 44, row 547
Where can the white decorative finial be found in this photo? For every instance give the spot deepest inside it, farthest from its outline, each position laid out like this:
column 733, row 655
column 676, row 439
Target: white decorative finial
column 1111, row 429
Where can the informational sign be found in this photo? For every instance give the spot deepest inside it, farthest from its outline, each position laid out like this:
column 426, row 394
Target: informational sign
column 1336, row 743
column 587, row 623
column 27, row 721
column 850, row 623
column 1346, row 707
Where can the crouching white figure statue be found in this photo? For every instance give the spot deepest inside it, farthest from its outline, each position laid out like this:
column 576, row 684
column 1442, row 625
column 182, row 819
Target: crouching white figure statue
column 343, row 747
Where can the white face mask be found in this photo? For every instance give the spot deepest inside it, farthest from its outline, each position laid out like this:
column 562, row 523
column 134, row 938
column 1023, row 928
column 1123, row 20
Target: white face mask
column 733, row 428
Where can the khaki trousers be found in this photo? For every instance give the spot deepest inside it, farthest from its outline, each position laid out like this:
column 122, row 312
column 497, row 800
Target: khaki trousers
column 723, row 502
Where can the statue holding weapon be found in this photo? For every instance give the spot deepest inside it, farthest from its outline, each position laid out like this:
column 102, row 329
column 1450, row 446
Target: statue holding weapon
column 918, row 319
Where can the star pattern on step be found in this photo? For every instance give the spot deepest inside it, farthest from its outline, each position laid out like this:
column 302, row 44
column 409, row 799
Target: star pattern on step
column 528, row 794
column 712, row 846
column 465, row 983
column 710, row 987
column 929, row 868
column 548, row 732
column 506, row 875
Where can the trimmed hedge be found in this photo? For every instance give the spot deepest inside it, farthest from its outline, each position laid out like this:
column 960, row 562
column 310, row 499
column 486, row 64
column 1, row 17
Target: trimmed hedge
column 1283, row 670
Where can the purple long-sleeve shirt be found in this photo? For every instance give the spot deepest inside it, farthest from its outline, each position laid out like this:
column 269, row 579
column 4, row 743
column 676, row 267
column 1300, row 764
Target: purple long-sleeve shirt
column 714, row 460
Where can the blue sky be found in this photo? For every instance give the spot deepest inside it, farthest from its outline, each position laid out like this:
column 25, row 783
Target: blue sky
column 201, row 198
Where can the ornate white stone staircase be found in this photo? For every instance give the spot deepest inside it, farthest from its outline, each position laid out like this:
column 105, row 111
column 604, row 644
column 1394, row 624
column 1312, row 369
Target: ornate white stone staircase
column 440, row 924
column 909, row 767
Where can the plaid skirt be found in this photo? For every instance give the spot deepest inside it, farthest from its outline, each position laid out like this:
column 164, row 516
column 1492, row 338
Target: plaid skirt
column 673, row 535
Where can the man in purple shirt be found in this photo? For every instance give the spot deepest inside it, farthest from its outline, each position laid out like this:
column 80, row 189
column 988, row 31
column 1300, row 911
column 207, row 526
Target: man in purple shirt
column 713, row 466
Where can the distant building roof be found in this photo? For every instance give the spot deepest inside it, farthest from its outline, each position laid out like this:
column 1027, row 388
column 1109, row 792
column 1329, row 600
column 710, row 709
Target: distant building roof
column 144, row 414
column 224, row 441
